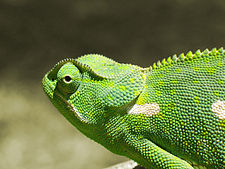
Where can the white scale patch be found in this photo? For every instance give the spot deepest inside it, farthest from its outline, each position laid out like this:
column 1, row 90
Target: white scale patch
column 218, row 107
column 146, row 109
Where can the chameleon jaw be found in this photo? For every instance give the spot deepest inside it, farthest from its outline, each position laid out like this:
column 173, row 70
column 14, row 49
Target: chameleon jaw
column 73, row 110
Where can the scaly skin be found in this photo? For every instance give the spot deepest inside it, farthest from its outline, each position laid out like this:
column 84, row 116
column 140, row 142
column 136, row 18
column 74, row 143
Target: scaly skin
column 161, row 116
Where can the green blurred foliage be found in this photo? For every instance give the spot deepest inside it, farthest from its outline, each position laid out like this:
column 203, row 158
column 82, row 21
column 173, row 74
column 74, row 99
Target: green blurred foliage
column 35, row 34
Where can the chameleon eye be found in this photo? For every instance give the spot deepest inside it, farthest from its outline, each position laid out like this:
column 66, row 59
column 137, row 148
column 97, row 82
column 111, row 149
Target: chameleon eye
column 67, row 79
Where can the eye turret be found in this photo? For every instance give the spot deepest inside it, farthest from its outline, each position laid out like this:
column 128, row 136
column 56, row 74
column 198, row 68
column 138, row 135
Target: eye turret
column 69, row 78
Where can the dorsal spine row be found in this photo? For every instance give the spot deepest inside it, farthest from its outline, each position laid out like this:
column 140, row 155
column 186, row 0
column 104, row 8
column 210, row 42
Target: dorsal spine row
column 189, row 56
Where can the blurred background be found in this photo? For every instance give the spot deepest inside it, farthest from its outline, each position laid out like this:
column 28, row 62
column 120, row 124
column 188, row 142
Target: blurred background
column 35, row 34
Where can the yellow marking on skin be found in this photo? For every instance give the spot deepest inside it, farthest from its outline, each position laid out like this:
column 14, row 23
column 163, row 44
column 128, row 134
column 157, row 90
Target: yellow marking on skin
column 220, row 64
column 220, row 81
column 111, row 84
column 196, row 99
column 78, row 93
column 123, row 88
column 211, row 71
column 196, row 69
column 142, row 98
column 110, row 97
column 161, row 116
column 174, row 81
column 161, row 75
column 167, row 70
column 178, row 70
column 216, row 92
column 206, row 59
column 218, row 108
column 161, row 83
column 136, row 92
column 103, row 84
column 144, row 76
column 195, row 81
column 182, row 123
column 146, row 109
column 222, row 123
column 121, row 72
column 158, row 93
column 152, row 85
column 172, row 92
column 132, row 80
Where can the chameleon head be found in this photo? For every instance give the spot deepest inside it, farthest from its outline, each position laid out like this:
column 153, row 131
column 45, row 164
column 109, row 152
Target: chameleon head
column 88, row 89
column 60, row 83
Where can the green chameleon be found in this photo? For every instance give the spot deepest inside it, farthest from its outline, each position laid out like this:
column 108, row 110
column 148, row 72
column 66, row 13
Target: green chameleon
column 170, row 115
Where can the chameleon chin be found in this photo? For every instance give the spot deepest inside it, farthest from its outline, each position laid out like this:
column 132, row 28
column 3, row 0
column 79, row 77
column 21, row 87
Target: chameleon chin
column 169, row 115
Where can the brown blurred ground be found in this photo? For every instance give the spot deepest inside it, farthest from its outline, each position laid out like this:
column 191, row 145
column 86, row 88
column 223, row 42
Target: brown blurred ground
column 34, row 35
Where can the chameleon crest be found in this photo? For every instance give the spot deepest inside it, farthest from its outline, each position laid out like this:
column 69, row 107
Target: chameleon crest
column 170, row 115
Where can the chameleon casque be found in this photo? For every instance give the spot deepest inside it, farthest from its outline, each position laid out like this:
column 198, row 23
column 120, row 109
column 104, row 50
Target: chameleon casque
column 169, row 115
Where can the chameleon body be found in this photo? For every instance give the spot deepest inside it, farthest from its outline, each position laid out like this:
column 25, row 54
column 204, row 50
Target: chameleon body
column 169, row 115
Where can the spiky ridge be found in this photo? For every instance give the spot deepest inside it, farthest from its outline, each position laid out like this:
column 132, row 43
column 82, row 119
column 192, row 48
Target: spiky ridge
column 189, row 56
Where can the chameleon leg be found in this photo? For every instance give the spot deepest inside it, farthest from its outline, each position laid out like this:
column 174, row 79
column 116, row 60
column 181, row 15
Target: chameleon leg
column 154, row 156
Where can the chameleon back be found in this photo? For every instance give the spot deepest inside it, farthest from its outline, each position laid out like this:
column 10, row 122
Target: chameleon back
column 187, row 99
